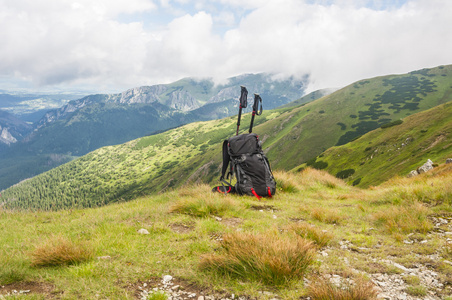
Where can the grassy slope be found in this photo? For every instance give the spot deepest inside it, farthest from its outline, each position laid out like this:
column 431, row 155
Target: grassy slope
column 193, row 152
column 115, row 173
column 373, row 223
column 352, row 111
column 386, row 152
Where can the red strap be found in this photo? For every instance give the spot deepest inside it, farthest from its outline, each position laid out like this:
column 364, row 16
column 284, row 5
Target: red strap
column 254, row 193
column 220, row 191
column 269, row 192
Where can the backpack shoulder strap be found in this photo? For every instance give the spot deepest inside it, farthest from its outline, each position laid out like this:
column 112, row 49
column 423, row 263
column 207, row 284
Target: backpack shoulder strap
column 226, row 159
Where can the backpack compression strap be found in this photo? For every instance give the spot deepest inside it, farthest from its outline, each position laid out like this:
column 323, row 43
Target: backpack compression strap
column 255, row 194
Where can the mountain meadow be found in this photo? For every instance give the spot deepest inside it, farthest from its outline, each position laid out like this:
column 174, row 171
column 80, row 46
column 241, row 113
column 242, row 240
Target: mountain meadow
column 138, row 220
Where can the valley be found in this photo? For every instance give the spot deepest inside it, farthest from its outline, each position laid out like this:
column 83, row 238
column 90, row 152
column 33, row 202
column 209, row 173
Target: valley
column 139, row 220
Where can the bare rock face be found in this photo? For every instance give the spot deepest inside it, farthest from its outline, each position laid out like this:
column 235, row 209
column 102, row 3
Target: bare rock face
column 182, row 100
column 425, row 167
column 422, row 169
column 6, row 137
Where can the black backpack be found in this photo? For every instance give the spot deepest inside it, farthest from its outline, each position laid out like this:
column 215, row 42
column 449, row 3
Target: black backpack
column 243, row 153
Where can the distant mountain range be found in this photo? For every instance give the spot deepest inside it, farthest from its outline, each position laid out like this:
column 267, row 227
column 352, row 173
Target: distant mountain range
column 31, row 108
column 293, row 137
column 94, row 121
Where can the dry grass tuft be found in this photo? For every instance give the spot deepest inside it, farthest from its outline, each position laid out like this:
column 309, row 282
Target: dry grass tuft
column 309, row 232
column 204, row 205
column 286, row 182
column 447, row 253
column 323, row 289
column 404, row 219
column 268, row 258
column 312, row 177
column 326, row 216
column 58, row 251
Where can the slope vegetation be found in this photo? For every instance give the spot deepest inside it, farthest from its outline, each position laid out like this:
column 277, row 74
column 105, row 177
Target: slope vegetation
column 317, row 237
column 190, row 153
column 95, row 121
column 394, row 149
column 303, row 133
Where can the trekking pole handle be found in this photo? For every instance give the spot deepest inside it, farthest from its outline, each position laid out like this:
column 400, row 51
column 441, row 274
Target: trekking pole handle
column 243, row 104
column 257, row 99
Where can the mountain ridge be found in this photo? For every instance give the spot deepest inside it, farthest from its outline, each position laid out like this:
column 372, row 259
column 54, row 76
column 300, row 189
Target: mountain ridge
column 290, row 137
column 392, row 150
column 94, row 121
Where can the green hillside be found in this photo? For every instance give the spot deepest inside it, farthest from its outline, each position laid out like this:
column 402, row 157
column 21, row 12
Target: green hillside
column 95, row 121
column 395, row 149
column 304, row 132
column 192, row 153
column 316, row 232
column 116, row 173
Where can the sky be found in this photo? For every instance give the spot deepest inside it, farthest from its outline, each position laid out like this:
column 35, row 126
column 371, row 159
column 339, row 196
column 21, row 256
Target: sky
column 110, row 46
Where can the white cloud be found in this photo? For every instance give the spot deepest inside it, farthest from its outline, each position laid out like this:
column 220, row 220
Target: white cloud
column 82, row 42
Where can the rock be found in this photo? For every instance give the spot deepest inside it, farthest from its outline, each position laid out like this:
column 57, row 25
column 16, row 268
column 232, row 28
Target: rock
column 401, row 297
column 167, row 278
column 449, row 161
column 143, row 231
column 412, row 174
column 104, row 257
column 425, row 167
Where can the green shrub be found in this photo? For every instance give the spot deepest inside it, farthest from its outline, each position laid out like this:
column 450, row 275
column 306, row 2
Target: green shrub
column 320, row 165
column 356, row 181
column 390, row 124
column 345, row 173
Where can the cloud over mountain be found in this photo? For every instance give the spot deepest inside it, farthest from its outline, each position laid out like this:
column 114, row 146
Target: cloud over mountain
column 113, row 45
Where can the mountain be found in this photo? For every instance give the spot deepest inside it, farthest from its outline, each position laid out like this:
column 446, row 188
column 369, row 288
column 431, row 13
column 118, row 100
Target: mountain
column 32, row 107
column 304, row 132
column 310, row 97
column 394, row 149
column 191, row 153
column 94, row 121
column 12, row 129
column 188, row 96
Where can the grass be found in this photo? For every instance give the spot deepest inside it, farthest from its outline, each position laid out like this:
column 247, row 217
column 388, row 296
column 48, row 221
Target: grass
column 157, row 296
column 234, row 244
column 58, row 251
column 417, row 290
column 323, row 289
column 309, row 232
column 270, row 258
column 406, row 219
column 200, row 202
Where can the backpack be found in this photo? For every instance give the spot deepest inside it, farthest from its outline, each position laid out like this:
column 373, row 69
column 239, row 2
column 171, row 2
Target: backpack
column 243, row 153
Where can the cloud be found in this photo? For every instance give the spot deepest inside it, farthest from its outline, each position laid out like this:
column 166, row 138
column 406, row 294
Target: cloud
column 109, row 45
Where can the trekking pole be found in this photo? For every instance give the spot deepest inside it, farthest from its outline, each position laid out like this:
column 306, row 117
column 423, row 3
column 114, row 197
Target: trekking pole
column 257, row 99
column 243, row 104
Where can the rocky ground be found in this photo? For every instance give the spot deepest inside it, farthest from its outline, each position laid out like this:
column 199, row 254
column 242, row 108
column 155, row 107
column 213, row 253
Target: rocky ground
column 392, row 286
